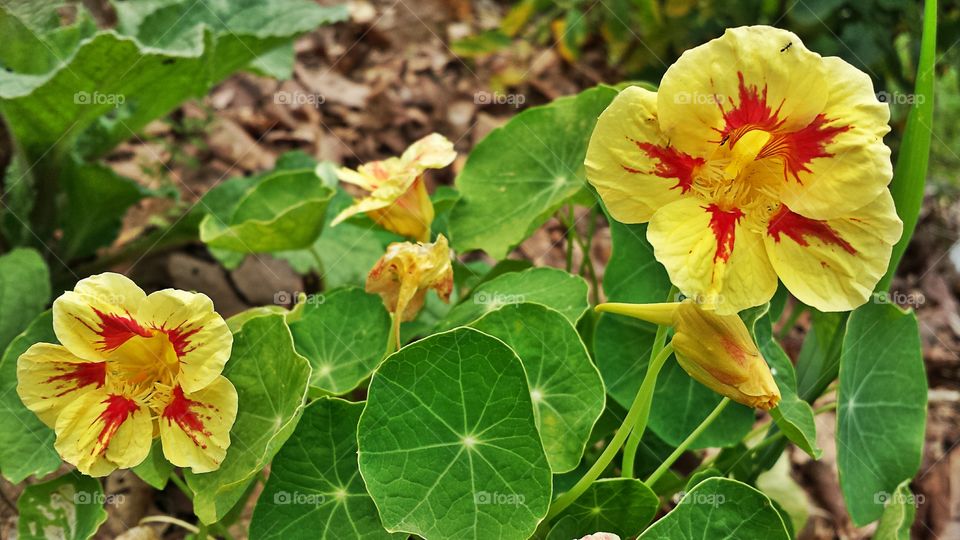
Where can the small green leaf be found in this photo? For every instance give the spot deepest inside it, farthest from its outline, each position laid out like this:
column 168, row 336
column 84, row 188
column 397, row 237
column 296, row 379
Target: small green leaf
column 285, row 210
column 898, row 514
column 622, row 506
column 550, row 287
column 155, row 470
column 315, row 481
column 449, row 446
column 24, row 291
column 26, row 443
column 271, row 381
column 633, row 274
column 69, row 507
column 521, row 173
column 720, row 508
column 882, row 407
column 343, row 338
column 565, row 387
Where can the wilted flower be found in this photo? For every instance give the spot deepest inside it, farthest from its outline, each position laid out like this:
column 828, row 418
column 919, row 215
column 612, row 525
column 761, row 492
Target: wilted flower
column 404, row 274
column 716, row 350
column 398, row 199
column 756, row 158
column 131, row 366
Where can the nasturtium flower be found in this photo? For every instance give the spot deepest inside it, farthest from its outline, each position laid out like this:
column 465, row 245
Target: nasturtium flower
column 131, row 366
column 756, row 158
column 398, row 200
column 714, row 349
column 406, row 272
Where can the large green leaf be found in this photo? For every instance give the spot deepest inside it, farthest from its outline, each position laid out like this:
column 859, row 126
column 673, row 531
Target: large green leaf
column 550, row 287
column 343, row 338
column 284, row 210
column 721, row 508
column 448, row 442
column 26, row 443
column 69, row 507
column 633, row 273
column 622, row 506
column 565, row 387
column 523, row 172
column 271, row 381
column 24, row 291
column 882, row 407
column 315, row 481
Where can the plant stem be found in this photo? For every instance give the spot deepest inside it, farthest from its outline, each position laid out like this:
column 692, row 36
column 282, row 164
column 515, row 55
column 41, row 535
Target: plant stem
column 630, row 450
column 571, row 238
column 393, row 336
column 175, row 478
column 678, row 451
column 636, row 420
column 321, row 273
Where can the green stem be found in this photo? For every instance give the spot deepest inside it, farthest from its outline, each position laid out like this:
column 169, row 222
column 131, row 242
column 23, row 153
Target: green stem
column 630, row 450
column 636, row 420
column 175, row 478
column 393, row 336
column 320, row 270
column 798, row 310
column 571, row 238
column 665, row 466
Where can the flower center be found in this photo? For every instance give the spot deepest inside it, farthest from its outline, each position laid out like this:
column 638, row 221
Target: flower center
column 144, row 365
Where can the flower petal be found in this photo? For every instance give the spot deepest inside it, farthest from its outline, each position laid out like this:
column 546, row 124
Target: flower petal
column 100, row 432
column 198, row 334
column 834, row 265
column 431, row 152
column 751, row 77
column 840, row 161
column 195, row 427
column 631, row 162
column 97, row 315
column 49, row 378
column 712, row 256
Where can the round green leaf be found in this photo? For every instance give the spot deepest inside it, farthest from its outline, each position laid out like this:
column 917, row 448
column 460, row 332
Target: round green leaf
column 271, row 381
column 720, row 508
column 448, row 443
column 69, row 507
column 523, row 172
column 882, row 407
column 565, row 386
column 343, row 337
column 282, row 211
column 315, row 481
column 550, row 287
column 622, row 506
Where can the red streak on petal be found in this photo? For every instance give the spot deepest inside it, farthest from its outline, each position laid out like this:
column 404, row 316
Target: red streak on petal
column 79, row 376
column 798, row 228
column 114, row 330
column 119, row 408
column 799, row 148
column 750, row 112
column 724, row 225
column 672, row 163
column 180, row 410
column 180, row 339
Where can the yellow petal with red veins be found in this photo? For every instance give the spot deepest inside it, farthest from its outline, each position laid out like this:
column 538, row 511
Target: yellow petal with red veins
column 198, row 334
column 101, row 432
column 712, row 256
column 49, row 378
column 195, row 427
column 752, row 77
column 839, row 161
column 834, row 265
column 631, row 162
column 97, row 316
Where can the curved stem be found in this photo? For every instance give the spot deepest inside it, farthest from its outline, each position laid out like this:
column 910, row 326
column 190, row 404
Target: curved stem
column 636, row 420
column 393, row 336
column 678, row 451
column 320, row 270
column 171, row 521
column 630, row 450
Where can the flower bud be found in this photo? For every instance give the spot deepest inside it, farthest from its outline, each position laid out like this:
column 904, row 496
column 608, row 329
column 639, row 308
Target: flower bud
column 715, row 350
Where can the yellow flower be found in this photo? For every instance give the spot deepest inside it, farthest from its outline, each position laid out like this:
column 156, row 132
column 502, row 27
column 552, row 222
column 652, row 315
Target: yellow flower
column 404, row 274
column 715, row 350
column 398, row 199
column 757, row 158
column 130, row 366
